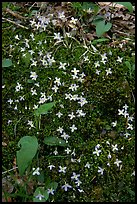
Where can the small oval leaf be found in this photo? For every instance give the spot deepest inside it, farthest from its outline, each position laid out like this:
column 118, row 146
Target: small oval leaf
column 29, row 146
column 44, row 108
column 6, row 63
column 54, row 141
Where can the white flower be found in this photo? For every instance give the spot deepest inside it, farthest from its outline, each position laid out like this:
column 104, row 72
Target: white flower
column 130, row 126
column 126, row 114
column 80, row 190
column 31, row 52
column 62, row 16
column 18, row 87
column 67, row 150
column 100, row 170
column 60, row 129
column 74, row 76
column 67, row 96
column 55, row 88
column 97, row 72
column 57, row 36
column 51, row 61
column 114, row 123
column 73, row 128
column 114, row 147
column 33, row 91
column 71, row 115
column 42, row 100
column 87, row 165
column 121, row 112
column 73, row 20
column 51, row 191
column 32, row 35
column 75, row 71
column 44, row 62
column 36, row 171
column 97, row 64
column 80, row 113
column 17, row 37
column 74, row 97
column 22, row 98
column 108, row 71
column 73, row 153
column 78, row 182
column 97, row 151
column 62, row 66
column 75, row 176
column 127, row 134
column 34, row 63
column 57, row 80
column 55, row 151
column 35, row 106
column 73, row 87
column 103, row 56
column 109, row 156
column 66, row 186
column 73, row 160
column 107, row 142
column 16, row 108
column 30, row 122
column 59, row 114
column 10, row 101
column 33, row 22
column 9, row 121
column 51, row 167
column 33, row 75
column 40, row 196
column 130, row 118
column 133, row 174
column 86, row 58
column 119, row 59
column 108, row 164
column 97, row 146
column 82, row 101
column 65, row 136
column 117, row 162
column 62, row 169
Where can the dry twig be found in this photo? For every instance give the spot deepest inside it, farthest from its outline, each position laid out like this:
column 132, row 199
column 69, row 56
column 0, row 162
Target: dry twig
column 14, row 23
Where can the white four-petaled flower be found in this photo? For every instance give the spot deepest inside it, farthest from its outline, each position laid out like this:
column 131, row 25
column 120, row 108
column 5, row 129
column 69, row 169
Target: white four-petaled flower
column 117, row 162
column 73, row 128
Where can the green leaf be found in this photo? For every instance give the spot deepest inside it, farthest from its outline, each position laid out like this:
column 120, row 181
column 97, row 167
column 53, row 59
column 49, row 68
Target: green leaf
column 6, row 63
column 52, row 185
column 128, row 5
column 87, row 5
column 40, row 191
column 29, row 146
column 99, row 40
column 26, row 59
column 97, row 19
column 101, row 28
column 44, row 108
column 30, row 81
column 128, row 64
column 54, row 141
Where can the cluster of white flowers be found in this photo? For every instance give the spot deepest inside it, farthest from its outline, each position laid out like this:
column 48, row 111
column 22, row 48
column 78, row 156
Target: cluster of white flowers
column 124, row 113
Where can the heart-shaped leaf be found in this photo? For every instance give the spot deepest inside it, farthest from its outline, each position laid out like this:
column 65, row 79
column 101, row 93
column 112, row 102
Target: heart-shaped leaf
column 29, row 146
column 44, row 108
column 54, row 141
column 101, row 28
column 6, row 63
column 128, row 5
column 40, row 195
